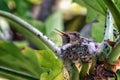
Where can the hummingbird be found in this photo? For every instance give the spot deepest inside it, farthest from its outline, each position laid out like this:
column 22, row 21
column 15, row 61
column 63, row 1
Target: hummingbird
column 76, row 47
column 69, row 37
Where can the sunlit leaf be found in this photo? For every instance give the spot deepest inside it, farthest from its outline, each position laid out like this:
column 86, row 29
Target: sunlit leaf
column 48, row 60
column 11, row 57
column 52, row 23
column 36, row 63
column 22, row 8
column 37, row 24
column 31, row 56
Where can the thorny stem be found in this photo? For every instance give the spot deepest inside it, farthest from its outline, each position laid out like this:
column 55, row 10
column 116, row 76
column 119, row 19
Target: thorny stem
column 33, row 30
column 114, row 10
column 109, row 27
column 114, row 55
column 108, row 36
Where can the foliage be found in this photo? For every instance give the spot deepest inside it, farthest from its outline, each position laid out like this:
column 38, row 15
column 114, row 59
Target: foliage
column 43, row 64
column 23, row 63
column 46, row 72
column 99, row 9
column 95, row 11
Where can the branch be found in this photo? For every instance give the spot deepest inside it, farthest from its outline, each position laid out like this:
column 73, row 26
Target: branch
column 32, row 30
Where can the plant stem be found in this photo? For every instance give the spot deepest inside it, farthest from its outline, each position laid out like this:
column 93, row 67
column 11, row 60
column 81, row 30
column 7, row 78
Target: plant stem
column 72, row 70
column 23, row 24
column 114, row 55
column 84, row 70
column 108, row 36
column 114, row 10
column 17, row 73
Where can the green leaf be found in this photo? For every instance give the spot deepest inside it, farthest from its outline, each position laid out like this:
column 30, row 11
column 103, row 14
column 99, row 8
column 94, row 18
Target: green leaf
column 37, row 24
column 95, row 10
column 52, row 23
column 118, row 73
column 117, row 2
column 10, row 76
column 34, row 39
column 98, row 27
column 31, row 56
column 114, row 10
column 60, row 76
column 48, row 60
column 35, row 63
column 72, row 70
column 12, row 58
column 97, row 6
column 22, row 8
column 16, row 73
column 4, row 6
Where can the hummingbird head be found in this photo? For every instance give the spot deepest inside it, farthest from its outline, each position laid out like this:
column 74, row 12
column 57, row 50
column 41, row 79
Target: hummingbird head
column 69, row 37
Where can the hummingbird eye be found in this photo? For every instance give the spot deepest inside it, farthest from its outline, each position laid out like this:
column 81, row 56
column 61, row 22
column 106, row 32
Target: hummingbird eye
column 66, row 39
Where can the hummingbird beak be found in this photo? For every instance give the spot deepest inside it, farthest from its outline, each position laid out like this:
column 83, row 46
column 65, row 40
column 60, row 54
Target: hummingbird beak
column 60, row 33
column 65, row 37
